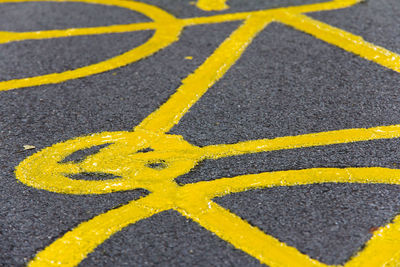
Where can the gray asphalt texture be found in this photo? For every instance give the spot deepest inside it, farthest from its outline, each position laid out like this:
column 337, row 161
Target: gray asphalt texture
column 286, row 83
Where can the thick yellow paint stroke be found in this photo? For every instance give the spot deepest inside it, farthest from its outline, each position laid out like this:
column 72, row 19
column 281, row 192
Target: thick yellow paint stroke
column 383, row 249
column 344, row 40
column 132, row 168
column 74, row 246
column 301, row 141
column 7, row 37
column 242, row 235
column 196, row 84
column 212, row 5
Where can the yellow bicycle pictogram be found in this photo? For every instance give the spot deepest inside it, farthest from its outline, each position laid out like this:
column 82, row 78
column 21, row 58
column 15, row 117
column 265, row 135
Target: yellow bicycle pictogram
column 169, row 156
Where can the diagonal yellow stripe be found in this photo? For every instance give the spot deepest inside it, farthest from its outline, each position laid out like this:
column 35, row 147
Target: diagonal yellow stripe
column 345, row 40
column 76, row 244
column 196, row 84
column 241, row 234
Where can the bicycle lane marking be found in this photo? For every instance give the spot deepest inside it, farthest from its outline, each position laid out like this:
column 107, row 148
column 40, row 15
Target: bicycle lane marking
column 347, row 41
column 355, row 131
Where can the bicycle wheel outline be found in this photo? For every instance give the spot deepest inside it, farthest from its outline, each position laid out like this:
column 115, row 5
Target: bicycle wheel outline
column 167, row 30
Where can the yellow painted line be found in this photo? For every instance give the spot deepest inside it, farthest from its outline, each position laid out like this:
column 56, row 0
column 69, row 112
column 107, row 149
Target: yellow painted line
column 212, row 5
column 217, row 18
column 196, row 84
column 75, row 245
column 6, row 37
column 175, row 156
column 218, row 5
column 224, row 186
column 250, row 239
column 302, row 141
column 324, row 6
column 347, row 41
column 383, row 249
column 276, row 13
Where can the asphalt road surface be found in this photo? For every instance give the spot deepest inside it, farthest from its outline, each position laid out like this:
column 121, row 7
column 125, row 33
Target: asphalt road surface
column 286, row 83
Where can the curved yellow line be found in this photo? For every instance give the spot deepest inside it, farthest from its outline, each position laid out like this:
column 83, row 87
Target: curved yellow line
column 167, row 33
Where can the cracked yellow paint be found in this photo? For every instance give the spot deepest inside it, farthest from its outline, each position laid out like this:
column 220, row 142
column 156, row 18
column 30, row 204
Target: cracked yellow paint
column 127, row 159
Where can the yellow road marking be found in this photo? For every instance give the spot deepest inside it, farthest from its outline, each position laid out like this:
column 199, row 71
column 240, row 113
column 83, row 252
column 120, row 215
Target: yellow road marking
column 241, row 234
column 175, row 156
column 301, row 141
column 383, row 249
column 74, row 246
column 211, row 5
column 196, row 84
column 7, row 37
column 344, row 40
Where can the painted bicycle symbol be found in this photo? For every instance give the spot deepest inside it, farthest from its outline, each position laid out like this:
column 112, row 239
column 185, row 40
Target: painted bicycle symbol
column 147, row 157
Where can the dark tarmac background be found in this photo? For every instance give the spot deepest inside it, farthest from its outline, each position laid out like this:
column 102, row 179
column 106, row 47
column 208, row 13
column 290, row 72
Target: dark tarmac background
column 286, row 83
